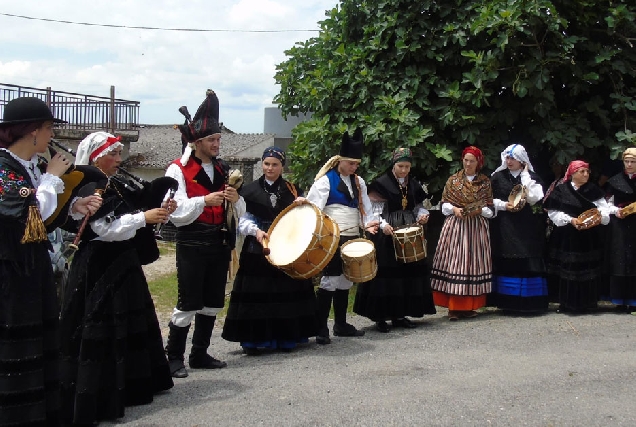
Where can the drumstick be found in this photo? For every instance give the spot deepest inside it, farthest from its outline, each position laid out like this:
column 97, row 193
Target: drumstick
column 266, row 250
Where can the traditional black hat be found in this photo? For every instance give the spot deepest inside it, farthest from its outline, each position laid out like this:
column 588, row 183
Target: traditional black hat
column 25, row 110
column 206, row 119
column 351, row 148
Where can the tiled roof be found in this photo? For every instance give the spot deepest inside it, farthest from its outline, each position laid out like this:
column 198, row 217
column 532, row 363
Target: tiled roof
column 158, row 145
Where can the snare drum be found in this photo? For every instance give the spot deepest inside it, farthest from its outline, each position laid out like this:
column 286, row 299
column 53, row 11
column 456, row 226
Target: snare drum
column 302, row 241
column 409, row 243
column 358, row 260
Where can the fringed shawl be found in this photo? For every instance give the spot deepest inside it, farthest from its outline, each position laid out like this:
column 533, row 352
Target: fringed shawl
column 461, row 192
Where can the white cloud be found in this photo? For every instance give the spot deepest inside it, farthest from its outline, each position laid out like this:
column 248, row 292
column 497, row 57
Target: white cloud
column 162, row 69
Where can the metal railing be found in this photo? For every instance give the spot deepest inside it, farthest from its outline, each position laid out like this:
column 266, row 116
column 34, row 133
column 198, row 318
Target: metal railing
column 82, row 112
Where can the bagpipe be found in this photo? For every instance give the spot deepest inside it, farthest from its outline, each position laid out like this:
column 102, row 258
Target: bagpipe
column 131, row 193
column 75, row 178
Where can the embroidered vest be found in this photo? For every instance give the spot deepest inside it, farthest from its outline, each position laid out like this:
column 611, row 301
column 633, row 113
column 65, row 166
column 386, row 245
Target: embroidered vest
column 195, row 178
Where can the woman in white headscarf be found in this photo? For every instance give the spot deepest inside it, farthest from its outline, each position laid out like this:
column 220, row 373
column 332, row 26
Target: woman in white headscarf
column 112, row 349
column 517, row 236
column 620, row 254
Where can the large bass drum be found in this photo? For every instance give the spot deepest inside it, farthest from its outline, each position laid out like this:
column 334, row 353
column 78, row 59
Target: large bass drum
column 302, row 241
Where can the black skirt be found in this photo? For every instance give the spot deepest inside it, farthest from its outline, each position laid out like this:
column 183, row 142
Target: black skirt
column 266, row 305
column 112, row 349
column 398, row 290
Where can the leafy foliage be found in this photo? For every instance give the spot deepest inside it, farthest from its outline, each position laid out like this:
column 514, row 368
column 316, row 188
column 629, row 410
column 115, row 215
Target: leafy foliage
column 557, row 76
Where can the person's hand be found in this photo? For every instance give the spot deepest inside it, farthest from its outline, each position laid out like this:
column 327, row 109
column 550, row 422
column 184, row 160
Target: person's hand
column 458, row 212
column 388, row 230
column 230, row 194
column 156, row 216
column 170, row 205
column 422, row 219
column 300, row 201
column 372, row 226
column 58, row 165
column 619, row 214
column 576, row 223
column 214, row 199
column 87, row 205
column 260, row 235
column 509, row 206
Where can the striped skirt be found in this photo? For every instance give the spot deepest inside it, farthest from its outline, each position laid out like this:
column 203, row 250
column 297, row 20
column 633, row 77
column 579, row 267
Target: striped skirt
column 462, row 264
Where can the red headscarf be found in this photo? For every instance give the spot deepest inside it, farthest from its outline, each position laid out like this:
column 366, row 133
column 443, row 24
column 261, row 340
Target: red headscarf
column 573, row 167
column 475, row 152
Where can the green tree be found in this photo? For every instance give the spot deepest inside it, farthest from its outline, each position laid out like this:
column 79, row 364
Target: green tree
column 557, row 76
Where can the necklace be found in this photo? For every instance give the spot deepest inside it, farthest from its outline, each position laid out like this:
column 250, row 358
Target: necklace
column 404, row 192
column 273, row 196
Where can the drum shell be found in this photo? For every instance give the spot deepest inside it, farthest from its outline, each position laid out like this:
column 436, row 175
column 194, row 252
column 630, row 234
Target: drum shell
column 411, row 247
column 359, row 269
column 321, row 249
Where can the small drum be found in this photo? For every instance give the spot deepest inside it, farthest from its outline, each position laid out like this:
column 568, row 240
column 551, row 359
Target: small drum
column 358, row 260
column 409, row 243
column 302, row 241
column 590, row 218
column 517, row 197
column 629, row 209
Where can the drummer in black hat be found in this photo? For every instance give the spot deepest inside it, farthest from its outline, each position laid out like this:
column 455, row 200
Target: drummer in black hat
column 28, row 307
column 204, row 240
column 342, row 195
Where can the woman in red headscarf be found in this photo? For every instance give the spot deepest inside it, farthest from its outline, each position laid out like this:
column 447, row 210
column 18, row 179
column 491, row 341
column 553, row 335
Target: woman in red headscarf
column 462, row 268
column 574, row 252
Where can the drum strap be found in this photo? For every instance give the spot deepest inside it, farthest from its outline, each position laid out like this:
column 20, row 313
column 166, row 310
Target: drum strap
column 360, row 204
column 292, row 189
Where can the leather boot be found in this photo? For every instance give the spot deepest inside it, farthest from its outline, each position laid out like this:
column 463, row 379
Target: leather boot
column 175, row 350
column 199, row 357
column 341, row 328
column 323, row 301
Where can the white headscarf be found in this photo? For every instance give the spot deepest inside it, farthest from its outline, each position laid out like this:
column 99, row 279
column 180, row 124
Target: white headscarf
column 517, row 152
column 96, row 145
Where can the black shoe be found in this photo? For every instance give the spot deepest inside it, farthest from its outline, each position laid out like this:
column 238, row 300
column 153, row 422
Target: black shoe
column 382, row 326
column 177, row 368
column 251, row 351
column 403, row 323
column 346, row 330
column 323, row 339
column 323, row 336
column 205, row 361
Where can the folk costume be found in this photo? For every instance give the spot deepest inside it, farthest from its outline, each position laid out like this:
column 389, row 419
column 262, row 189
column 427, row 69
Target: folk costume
column 112, row 350
column 268, row 309
column 517, row 239
column 398, row 290
column 461, row 274
column 29, row 370
column 345, row 200
column 620, row 277
column 574, row 256
column 204, row 243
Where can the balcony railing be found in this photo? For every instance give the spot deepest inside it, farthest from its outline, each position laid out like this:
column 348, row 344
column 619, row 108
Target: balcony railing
column 82, row 112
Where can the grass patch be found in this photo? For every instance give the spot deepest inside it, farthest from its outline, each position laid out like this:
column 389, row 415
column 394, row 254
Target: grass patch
column 166, row 248
column 164, row 293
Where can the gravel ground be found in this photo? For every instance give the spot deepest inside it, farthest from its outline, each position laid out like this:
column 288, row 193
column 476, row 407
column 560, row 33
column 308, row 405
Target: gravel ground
column 547, row 370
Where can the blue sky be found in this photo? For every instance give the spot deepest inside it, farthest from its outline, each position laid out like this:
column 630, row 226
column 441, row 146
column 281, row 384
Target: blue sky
column 162, row 69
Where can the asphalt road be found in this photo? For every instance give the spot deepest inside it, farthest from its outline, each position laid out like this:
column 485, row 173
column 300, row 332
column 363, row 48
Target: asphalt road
column 548, row 370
